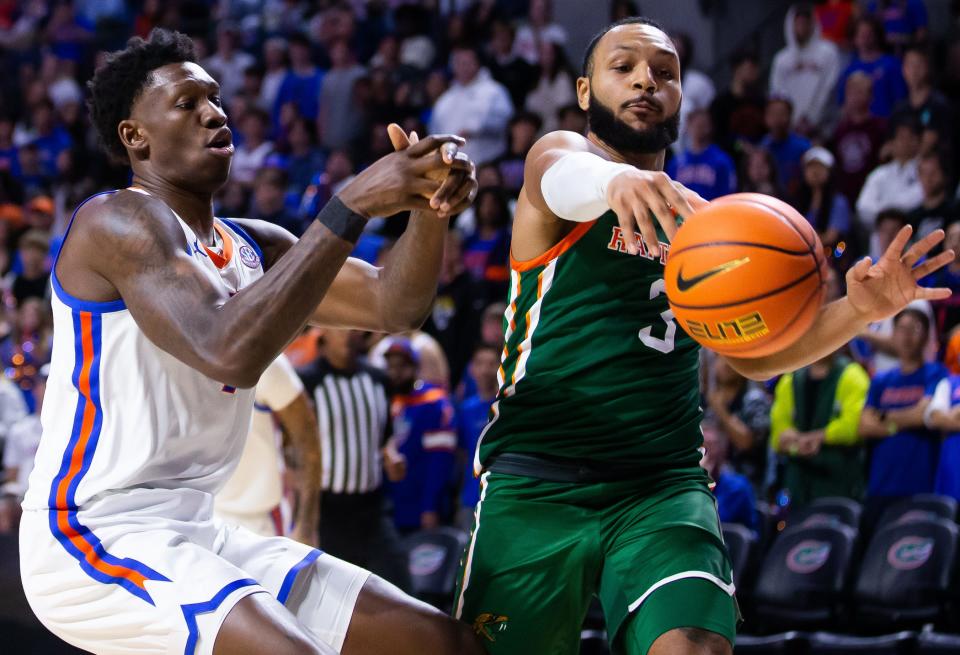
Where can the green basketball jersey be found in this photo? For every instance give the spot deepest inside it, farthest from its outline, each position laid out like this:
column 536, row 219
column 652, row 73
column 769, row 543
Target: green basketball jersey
column 594, row 367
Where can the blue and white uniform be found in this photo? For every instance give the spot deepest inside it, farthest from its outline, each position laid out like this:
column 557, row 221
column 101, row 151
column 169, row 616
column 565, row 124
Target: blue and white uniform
column 120, row 552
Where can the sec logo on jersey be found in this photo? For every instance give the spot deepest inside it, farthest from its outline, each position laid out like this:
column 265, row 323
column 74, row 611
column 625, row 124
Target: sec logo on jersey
column 249, row 257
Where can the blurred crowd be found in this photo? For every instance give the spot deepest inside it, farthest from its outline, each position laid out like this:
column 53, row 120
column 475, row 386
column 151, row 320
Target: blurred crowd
column 852, row 122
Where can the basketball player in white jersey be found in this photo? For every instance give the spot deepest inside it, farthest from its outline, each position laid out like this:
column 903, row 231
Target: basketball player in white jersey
column 165, row 318
column 253, row 496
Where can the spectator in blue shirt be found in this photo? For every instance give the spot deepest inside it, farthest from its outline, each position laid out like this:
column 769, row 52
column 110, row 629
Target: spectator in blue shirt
column 424, row 434
column 301, row 84
column 903, row 451
column 472, row 417
column 49, row 138
column 903, row 20
column 787, row 147
column 735, row 499
column 885, row 70
column 703, row 166
column 943, row 413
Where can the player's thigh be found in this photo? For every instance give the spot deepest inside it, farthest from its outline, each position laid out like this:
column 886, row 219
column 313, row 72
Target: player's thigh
column 666, row 567
column 690, row 616
column 386, row 621
column 530, row 569
column 260, row 625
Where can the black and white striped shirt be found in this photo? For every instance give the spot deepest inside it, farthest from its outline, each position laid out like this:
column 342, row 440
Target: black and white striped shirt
column 354, row 419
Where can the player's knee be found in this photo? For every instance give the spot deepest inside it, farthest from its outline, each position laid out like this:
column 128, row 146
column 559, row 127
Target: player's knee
column 704, row 642
column 691, row 641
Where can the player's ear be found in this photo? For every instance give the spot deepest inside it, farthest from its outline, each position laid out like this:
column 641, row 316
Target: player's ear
column 583, row 92
column 133, row 137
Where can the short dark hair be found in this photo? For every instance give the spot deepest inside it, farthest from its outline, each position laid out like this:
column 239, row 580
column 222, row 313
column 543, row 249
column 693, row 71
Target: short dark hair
column 587, row 67
column 527, row 117
column 116, row 85
column 917, row 314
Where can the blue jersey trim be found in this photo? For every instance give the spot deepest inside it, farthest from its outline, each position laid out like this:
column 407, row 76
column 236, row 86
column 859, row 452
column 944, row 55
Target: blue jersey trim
column 93, row 558
column 191, row 611
column 81, row 305
column 78, row 304
column 246, row 237
column 291, row 576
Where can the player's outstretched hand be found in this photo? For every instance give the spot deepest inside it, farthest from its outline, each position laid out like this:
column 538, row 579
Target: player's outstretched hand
column 409, row 178
column 458, row 187
column 880, row 290
column 639, row 197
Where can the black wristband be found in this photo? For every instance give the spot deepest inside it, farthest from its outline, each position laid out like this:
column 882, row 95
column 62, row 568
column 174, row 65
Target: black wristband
column 341, row 220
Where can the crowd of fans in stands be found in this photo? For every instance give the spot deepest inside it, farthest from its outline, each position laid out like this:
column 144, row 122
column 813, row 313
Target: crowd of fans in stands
column 854, row 126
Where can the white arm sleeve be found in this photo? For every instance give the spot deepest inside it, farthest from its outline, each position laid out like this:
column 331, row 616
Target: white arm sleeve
column 940, row 401
column 575, row 187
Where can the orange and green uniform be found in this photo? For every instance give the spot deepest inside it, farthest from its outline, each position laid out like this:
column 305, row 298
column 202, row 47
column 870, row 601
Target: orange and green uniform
column 590, row 477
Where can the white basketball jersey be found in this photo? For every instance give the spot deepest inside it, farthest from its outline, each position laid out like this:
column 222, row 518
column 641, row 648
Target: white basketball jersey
column 256, row 486
column 127, row 426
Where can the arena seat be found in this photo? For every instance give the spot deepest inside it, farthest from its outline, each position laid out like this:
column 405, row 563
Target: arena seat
column 833, row 509
column 786, row 643
column 920, row 506
column 931, row 643
column 741, row 542
column 905, row 574
column 803, row 575
column 433, row 557
column 826, row 643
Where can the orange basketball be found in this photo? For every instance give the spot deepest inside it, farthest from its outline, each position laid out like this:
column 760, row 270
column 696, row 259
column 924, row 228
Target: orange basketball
column 745, row 275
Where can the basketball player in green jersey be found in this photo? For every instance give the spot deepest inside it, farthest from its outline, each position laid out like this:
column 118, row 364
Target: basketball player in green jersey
column 590, row 481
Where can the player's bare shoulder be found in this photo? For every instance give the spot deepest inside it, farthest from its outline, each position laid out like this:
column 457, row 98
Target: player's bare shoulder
column 535, row 228
column 111, row 235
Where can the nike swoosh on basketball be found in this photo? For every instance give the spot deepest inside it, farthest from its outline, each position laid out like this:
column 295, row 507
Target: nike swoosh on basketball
column 685, row 284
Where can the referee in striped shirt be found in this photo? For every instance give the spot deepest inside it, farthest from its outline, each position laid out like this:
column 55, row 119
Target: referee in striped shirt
column 354, row 419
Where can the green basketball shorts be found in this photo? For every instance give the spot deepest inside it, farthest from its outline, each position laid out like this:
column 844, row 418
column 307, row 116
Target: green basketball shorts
column 651, row 550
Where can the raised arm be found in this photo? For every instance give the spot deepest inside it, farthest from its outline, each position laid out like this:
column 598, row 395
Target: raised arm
column 132, row 244
column 874, row 292
column 569, row 178
column 398, row 296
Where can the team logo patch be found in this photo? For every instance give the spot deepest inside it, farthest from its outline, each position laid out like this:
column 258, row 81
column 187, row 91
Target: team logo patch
column 426, row 559
column 249, row 257
column 487, row 624
column 808, row 556
column 910, row 553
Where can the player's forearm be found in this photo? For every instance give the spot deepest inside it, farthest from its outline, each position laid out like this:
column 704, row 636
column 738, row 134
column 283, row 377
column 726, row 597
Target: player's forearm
column 261, row 320
column 409, row 278
column 835, row 325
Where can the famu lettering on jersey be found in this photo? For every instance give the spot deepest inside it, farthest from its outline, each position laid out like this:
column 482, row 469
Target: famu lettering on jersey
column 593, row 366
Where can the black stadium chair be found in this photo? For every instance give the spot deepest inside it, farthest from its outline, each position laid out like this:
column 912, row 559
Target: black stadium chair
column 931, row 643
column 803, row 575
column 826, row 643
column 785, row 643
column 921, row 506
column 740, row 541
column 905, row 574
column 845, row 511
column 433, row 557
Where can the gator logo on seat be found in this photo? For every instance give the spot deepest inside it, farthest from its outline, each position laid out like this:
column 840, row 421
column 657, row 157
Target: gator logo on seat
column 808, row 556
column 910, row 553
column 487, row 624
